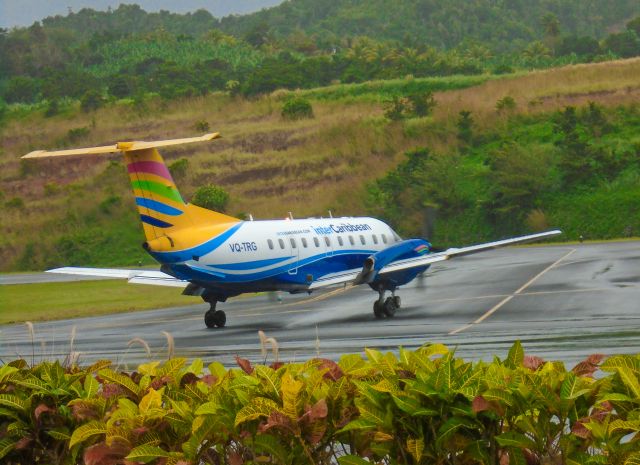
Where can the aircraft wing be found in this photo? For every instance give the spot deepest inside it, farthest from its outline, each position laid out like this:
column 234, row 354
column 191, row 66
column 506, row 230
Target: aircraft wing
column 459, row 252
column 350, row 276
column 153, row 277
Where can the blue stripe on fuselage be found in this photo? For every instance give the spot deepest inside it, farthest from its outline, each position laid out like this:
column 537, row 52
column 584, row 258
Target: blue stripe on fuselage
column 317, row 265
column 198, row 251
column 245, row 266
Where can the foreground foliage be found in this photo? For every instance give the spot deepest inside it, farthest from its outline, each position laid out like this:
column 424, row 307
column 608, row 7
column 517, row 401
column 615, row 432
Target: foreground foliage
column 423, row 406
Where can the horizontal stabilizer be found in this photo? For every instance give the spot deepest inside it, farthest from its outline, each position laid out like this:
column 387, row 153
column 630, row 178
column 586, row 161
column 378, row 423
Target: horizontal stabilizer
column 152, row 277
column 121, row 147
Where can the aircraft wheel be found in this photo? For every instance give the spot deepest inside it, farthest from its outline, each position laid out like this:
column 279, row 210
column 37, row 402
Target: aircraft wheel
column 390, row 306
column 215, row 319
column 378, row 309
column 396, row 299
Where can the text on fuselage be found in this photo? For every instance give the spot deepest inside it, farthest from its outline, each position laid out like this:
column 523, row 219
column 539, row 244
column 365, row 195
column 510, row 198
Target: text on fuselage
column 243, row 246
column 340, row 228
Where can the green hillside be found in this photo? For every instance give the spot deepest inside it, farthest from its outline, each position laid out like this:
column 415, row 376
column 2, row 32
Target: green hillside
column 556, row 148
column 128, row 53
column 501, row 25
column 500, row 133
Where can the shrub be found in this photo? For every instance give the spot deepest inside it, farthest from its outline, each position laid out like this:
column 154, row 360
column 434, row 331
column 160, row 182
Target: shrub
column 417, row 407
column 107, row 205
column 4, row 109
column 21, row 89
column 211, row 197
column 422, row 103
column 232, row 86
column 297, row 108
column 91, row 101
column 15, row 202
column 51, row 188
column 465, row 127
column 395, row 109
column 202, row 126
column 178, row 168
column 53, row 108
column 503, row 69
column 506, row 104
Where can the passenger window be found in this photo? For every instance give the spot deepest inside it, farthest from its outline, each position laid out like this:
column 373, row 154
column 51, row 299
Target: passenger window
column 304, row 242
column 351, row 241
column 340, row 241
column 293, row 242
column 316, row 242
column 327, row 241
column 375, row 239
column 281, row 242
column 384, row 238
column 270, row 242
column 362, row 240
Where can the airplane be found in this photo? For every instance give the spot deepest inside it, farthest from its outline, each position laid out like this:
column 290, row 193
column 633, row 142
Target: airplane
column 217, row 256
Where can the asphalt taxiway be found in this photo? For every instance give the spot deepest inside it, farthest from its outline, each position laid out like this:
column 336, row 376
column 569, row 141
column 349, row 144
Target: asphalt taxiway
column 562, row 302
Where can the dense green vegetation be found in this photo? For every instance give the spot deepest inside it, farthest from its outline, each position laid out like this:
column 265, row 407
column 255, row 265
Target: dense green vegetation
column 570, row 168
column 417, row 407
column 130, row 53
column 502, row 26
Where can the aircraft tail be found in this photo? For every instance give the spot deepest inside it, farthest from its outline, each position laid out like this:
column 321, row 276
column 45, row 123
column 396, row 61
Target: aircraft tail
column 172, row 227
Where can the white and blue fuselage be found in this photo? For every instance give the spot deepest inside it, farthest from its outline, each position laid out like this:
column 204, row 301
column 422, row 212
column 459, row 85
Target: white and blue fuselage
column 283, row 254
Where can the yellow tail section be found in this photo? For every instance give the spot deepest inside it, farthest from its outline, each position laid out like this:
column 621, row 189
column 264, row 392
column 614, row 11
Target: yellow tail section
column 164, row 214
column 170, row 224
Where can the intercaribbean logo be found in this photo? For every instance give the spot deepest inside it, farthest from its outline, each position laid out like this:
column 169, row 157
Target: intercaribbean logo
column 340, row 228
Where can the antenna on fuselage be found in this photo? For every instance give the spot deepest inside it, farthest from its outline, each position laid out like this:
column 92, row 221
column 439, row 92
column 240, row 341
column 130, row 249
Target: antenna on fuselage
column 290, row 215
column 250, row 217
column 330, row 214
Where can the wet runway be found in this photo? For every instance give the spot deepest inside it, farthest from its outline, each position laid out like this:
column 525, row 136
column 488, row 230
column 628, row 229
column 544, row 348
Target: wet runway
column 562, row 302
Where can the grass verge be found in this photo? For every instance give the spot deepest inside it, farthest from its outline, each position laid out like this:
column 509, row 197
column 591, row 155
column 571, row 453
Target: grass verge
column 54, row 301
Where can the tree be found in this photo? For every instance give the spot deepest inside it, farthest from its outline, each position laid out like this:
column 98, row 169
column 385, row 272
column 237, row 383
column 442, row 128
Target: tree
column 395, row 108
column 297, row 108
column 3, row 110
column 465, row 127
column 211, row 197
column 634, row 25
column 119, row 87
column 21, row 89
column 518, row 175
column 576, row 162
column 422, row 103
column 258, row 34
column 91, row 101
column 624, row 44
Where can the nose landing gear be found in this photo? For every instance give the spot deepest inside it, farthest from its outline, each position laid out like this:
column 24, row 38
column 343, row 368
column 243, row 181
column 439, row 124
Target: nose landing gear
column 386, row 308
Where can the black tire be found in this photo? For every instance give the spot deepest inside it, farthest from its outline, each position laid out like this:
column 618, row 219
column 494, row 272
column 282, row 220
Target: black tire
column 215, row 319
column 378, row 309
column 390, row 307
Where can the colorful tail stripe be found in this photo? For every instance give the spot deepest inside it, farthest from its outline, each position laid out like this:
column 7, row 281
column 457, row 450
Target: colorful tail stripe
column 168, row 192
column 155, row 222
column 150, row 167
column 158, row 206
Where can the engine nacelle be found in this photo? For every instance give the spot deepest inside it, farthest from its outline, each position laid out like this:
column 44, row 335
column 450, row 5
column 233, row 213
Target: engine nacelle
column 409, row 248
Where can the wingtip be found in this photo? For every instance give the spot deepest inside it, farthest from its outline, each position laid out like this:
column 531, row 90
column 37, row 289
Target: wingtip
column 34, row 154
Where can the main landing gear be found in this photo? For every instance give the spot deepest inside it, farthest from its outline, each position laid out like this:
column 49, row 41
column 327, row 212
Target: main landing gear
column 386, row 308
column 214, row 318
